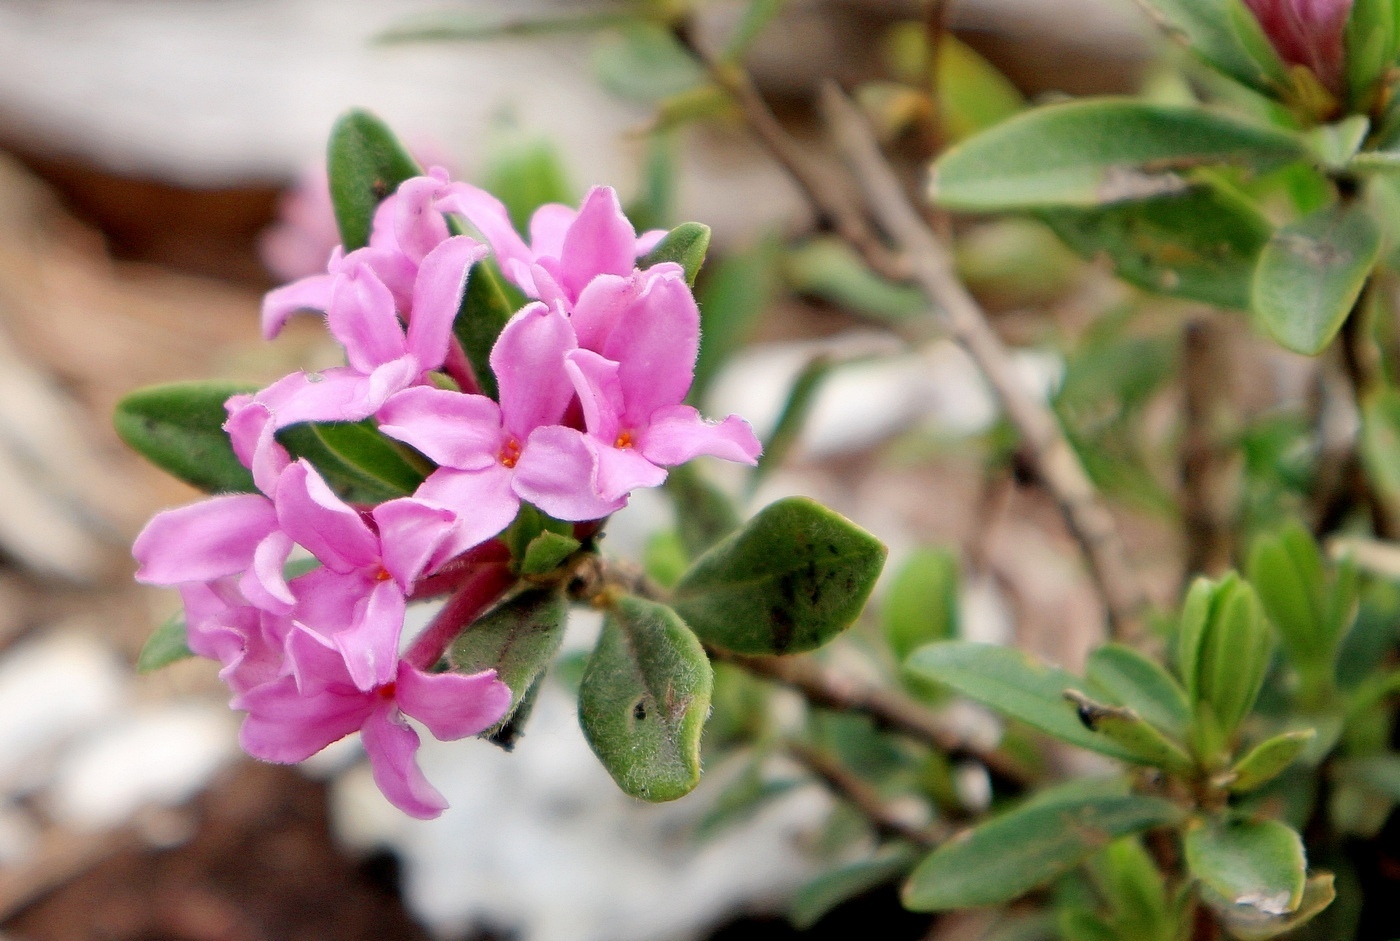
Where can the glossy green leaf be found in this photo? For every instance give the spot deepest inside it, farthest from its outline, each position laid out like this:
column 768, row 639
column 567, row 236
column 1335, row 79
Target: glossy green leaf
column 835, row 886
column 792, row 579
column 704, row 513
column 1014, row 684
column 546, row 552
column 972, row 94
column 1248, row 923
column 1027, row 847
column 644, row 698
column 1268, row 759
column 792, row 418
column 1125, row 727
column 374, row 454
column 179, row 428
column 350, row 482
column 366, row 163
column 1095, row 152
column 1201, row 245
column 517, row 639
column 485, row 311
column 921, row 604
column 166, row 645
column 828, row 268
column 529, row 525
column 1204, row 27
column 685, row 245
column 1256, row 864
column 1127, row 678
column 1311, row 273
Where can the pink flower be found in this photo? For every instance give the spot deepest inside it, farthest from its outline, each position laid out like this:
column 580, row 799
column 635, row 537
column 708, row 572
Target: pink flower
column 568, row 248
column 295, row 716
column 1308, row 33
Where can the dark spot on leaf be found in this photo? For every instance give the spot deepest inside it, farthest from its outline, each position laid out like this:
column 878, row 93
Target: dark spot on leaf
column 1088, row 716
column 380, row 187
column 783, row 628
column 639, row 710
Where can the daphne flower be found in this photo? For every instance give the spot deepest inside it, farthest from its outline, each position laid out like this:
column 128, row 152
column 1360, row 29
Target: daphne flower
column 295, row 716
column 1308, row 33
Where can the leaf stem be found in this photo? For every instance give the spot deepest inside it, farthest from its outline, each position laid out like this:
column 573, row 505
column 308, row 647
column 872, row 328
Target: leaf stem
column 482, row 587
column 861, row 795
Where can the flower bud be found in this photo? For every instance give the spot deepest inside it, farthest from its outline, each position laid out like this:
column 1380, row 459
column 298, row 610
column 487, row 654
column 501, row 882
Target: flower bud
column 1308, row 33
column 1222, row 654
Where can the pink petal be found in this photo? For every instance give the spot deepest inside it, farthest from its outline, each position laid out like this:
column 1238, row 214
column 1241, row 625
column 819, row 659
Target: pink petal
column 528, row 361
column 452, row 429
column 678, row 434
column 452, row 705
column 392, row 748
column 600, row 307
column 370, row 643
column 656, row 345
column 599, row 392
column 601, row 241
column 558, row 472
column 482, row 500
column 250, row 428
column 203, row 541
column 622, row 470
column 391, row 266
column 285, row 726
column 362, row 317
column 319, row 520
column 548, row 227
column 418, row 229
column 410, row 533
column 263, row 584
column 337, row 394
column 437, row 296
column 489, row 216
column 311, row 293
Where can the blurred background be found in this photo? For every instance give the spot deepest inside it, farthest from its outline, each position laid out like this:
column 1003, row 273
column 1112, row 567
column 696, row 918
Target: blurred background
column 146, row 155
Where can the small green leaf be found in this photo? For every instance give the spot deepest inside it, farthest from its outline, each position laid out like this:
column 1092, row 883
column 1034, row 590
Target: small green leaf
column 704, row 513
column 179, row 428
column 796, row 576
column 166, row 645
column 517, row 639
column 373, row 454
column 644, row 62
column 351, row 483
column 1127, row 678
column 1214, row 37
column 1095, row 152
column 546, row 552
column 741, row 798
column 1336, row 144
column 685, row 245
column 801, row 397
column 972, row 94
column 484, row 314
column 831, row 888
column 828, row 268
column 1256, row 864
column 1223, row 652
column 1201, row 244
column 1268, row 759
column 1248, row 923
column 664, row 558
column 1372, row 44
column 1027, row 847
column 529, row 524
column 732, row 295
column 449, row 25
column 1128, row 729
column 1311, row 273
column 1014, row 684
column 366, row 163
column 921, row 605
column 757, row 15
column 644, row 698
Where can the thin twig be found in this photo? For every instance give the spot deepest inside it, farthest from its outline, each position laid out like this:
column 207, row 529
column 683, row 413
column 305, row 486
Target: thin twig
column 1055, row 462
column 887, row 709
column 1207, row 466
column 862, row 796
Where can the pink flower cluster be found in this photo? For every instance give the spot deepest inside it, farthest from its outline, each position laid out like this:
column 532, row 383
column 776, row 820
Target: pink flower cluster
column 1309, row 33
column 592, row 377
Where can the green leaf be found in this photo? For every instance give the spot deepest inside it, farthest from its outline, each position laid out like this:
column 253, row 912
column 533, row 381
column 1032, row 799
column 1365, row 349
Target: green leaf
column 741, row 798
column 449, row 25
column 1372, row 44
column 374, row 454
column 366, row 163
column 1380, row 443
column 1201, row 244
column 351, row 483
column 1336, row 144
column 1311, row 611
column 546, row 552
column 1200, row 25
column 529, row 524
column 828, row 268
column 1223, row 652
column 796, row 576
column 757, row 15
column 835, row 886
column 517, row 639
column 644, row 698
column 1257, row 864
column 1247, row 923
column 166, row 645
column 179, row 428
column 644, row 62
column 1094, row 152
column 921, row 604
column 524, row 172
column 1014, row 684
column 972, row 94
column 732, row 295
column 1268, row 759
column 664, row 558
column 1311, row 273
column 800, row 399
column 484, row 314
column 1027, row 847
column 1128, row 729
column 704, row 513
column 1127, row 678
column 685, row 245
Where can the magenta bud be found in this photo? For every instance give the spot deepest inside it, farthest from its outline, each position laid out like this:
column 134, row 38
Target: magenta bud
column 1308, row 33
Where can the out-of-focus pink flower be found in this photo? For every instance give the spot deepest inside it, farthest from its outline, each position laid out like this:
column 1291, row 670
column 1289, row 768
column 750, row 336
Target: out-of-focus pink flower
column 295, row 716
column 1308, row 33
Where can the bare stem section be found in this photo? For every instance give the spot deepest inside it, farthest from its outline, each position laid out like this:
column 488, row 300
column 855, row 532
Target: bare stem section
column 845, row 784
column 1054, row 461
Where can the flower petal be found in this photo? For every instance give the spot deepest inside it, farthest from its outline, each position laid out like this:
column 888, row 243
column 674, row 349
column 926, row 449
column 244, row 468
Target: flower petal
column 203, row 541
column 482, row 500
column 558, row 472
column 528, row 361
column 488, row 215
column 419, row 229
column 437, row 296
column 263, row 583
column 410, row 533
column 370, row 643
column 679, row 433
column 600, row 308
column 392, row 748
column 319, row 520
column 452, row 705
column 362, row 317
column 656, row 345
column 285, row 726
column 599, row 392
column 622, row 470
column 601, row 241
column 312, row 293
column 452, row 429
column 549, row 225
